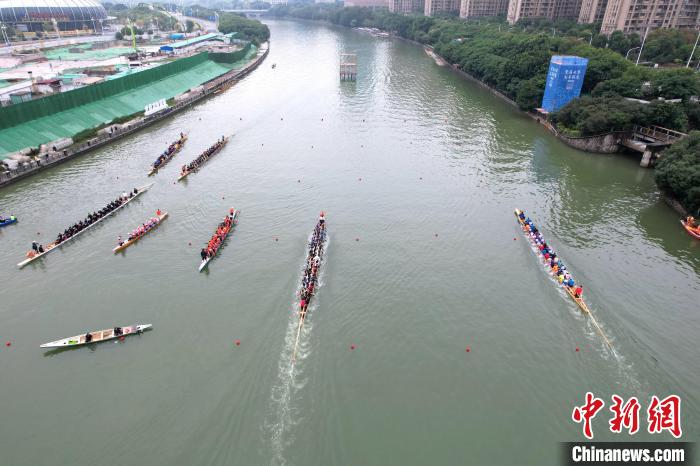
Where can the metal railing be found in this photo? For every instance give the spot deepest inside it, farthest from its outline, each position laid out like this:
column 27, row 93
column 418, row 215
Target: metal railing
column 658, row 133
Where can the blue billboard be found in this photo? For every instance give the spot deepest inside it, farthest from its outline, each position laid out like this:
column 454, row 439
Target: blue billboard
column 564, row 81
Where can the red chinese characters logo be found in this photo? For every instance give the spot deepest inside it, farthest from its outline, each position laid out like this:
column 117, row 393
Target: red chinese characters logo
column 626, row 416
column 665, row 415
column 587, row 412
column 662, row 415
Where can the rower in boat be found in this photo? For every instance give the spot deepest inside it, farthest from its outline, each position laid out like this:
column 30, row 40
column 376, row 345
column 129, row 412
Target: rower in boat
column 556, row 267
column 98, row 336
column 691, row 226
column 7, row 221
column 217, row 239
column 140, row 231
column 80, row 226
column 310, row 276
column 203, row 157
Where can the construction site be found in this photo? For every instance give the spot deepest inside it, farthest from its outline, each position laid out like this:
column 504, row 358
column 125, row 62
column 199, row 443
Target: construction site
column 54, row 98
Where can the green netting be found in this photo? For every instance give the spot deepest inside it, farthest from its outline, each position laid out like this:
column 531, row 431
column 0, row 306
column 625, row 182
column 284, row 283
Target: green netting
column 93, row 107
column 87, row 54
column 232, row 58
column 17, row 114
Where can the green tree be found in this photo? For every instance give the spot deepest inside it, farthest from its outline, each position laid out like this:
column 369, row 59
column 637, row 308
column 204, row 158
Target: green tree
column 676, row 84
column 678, row 171
column 619, row 42
column 248, row 29
column 530, row 93
column 189, row 25
column 668, row 115
column 668, row 46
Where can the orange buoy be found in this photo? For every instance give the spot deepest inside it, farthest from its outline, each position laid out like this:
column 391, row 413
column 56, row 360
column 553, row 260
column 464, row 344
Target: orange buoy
column 238, row 342
column 352, row 347
column 8, row 344
column 577, row 349
column 469, row 349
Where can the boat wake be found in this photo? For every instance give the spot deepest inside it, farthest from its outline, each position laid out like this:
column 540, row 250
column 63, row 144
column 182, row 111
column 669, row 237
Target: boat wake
column 285, row 412
column 628, row 378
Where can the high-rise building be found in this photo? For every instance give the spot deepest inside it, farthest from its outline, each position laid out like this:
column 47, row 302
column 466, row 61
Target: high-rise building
column 637, row 15
column 436, row 6
column 406, row 6
column 551, row 9
column 592, row 11
column 477, row 8
column 368, row 3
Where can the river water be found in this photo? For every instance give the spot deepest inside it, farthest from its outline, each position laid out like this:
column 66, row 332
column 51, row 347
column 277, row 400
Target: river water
column 419, row 172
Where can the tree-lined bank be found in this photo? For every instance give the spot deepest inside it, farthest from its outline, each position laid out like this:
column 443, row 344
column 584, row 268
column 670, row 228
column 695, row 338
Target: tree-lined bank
column 515, row 61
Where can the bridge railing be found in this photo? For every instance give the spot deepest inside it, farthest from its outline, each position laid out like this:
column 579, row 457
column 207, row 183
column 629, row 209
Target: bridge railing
column 658, row 133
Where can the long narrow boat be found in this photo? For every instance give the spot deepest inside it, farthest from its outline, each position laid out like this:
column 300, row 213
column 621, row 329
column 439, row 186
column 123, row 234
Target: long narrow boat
column 694, row 232
column 578, row 300
column 317, row 247
column 54, row 246
column 186, row 173
column 205, row 262
column 128, row 243
column 8, row 221
column 97, row 337
column 178, row 145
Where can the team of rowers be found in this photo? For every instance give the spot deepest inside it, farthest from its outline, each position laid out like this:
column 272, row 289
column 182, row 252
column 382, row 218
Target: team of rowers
column 83, row 224
column 11, row 218
column 690, row 223
column 218, row 237
column 550, row 257
column 142, row 230
column 313, row 261
column 204, row 156
column 169, row 151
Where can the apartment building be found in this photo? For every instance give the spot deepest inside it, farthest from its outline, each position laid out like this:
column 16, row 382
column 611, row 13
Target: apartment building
column 406, row 6
column 636, row 15
column 479, row 8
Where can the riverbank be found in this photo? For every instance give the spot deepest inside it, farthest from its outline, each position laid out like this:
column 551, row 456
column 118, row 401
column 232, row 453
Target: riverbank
column 606, row 143
column 116, row 132
column 432, row 148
